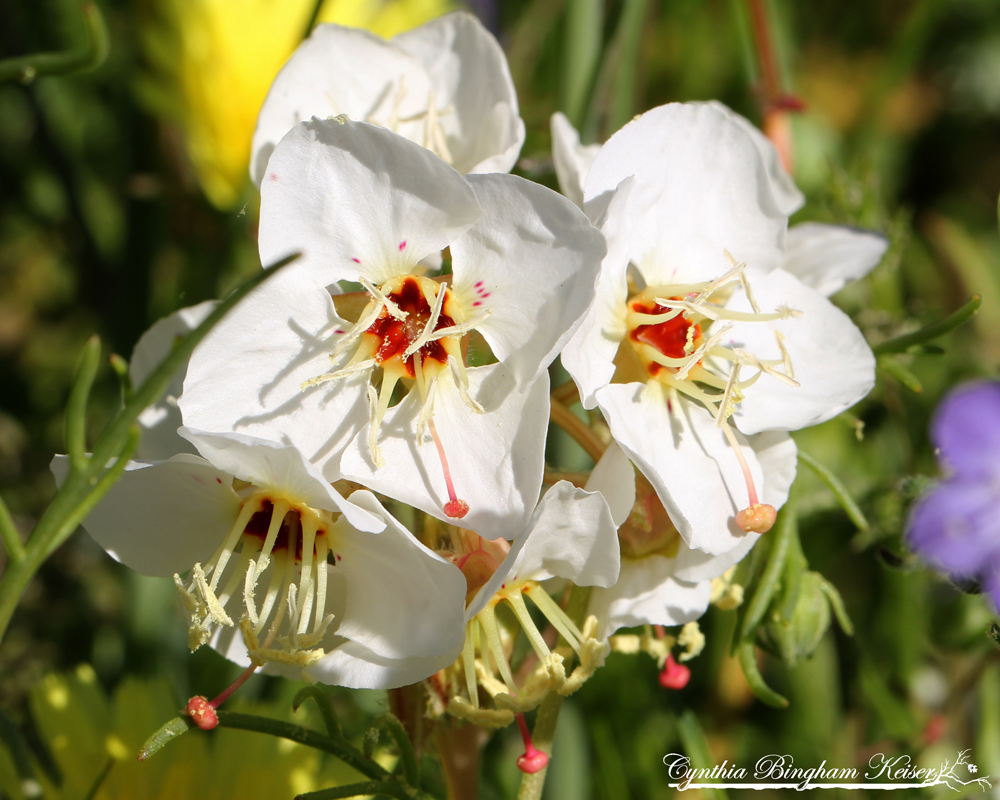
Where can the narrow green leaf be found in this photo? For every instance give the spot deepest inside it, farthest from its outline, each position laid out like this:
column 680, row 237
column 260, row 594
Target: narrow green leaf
column 627, row 38
column 88, row 57
column 9, row 535
column 178, row 726
column 313, row 16
column 697, row 749
column 748, row 660
column 930, row 332
column 837, row 604
column 900, row 373
column 768, row 584
column 584, row 34
column 99, row 781
column 325, row 706
column 839, row 491
column 76, row 409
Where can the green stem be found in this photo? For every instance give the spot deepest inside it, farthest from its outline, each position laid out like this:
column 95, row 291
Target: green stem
column 9, row 536
column 76, row 408
column 391, row 724
column 547, row 717
column 839, row 491
column 317, row 7
column 325, row 706
column 99, row 781
column 296, row 733
column 930, row 332
column 697, row 749
column 389, row 787
column 93, row 53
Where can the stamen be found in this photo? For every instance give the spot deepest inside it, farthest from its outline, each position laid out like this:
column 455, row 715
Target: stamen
column 461, row 378
column 756, row 362
column 425, row 334
column 454, row 508
column 757, row 517
column 336, row 375
column 426, row 410
column 786, row 359
column 488, row 621
column 469, row 660
column 698, row 354
column 550, row 608
column 460, row 328
column 306, row 584
column 533, row 760
column 389, row 306
column 726, row 403
column 527, row 624
column 373, row 426
column 322, row 550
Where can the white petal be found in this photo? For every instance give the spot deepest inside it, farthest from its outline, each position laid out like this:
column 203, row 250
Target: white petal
column 246, row 376
column 647, row 593
column 786, row 195
column 469, row 74
column 532, row 261
column 614, row 477
column 571, row 535
column 496, row 459
column 280, row 468
column 160, row 421
column 701, row 188
column 355, row 666
column 322, row 79
column 358, row 200
column 572, row 159
column 831, row 360
column 686, row 458
column 162, row 517
column 401, row 599
column 827, row 257
column 589, row 355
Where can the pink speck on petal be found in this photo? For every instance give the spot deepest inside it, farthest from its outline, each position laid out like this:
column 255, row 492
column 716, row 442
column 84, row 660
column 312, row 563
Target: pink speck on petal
column 273, row 176
column 219, row 481
column 479, row 284
column 356, row 260
column 486, row 294
column 477, row 303
column 402, row 245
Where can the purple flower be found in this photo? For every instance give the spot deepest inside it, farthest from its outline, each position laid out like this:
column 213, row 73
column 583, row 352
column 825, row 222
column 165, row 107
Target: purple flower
column 957, row 525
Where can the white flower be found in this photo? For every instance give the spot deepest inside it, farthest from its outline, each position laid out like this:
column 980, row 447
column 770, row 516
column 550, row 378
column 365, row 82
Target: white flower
column 281, row 568
column 445, row 85
column 686, row 341
column 663, row 580
column 160, row 421
column 571, row 535
column 368, row 206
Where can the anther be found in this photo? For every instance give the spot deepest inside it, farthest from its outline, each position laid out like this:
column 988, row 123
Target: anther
column 533, row 760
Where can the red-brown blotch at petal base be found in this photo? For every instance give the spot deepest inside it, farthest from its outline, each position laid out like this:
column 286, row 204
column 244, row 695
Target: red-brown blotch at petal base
column 202, row 712
column 674, row 676
column 758, row 518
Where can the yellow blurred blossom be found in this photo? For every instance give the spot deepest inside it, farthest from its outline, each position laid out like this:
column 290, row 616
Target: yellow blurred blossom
column 214, row 61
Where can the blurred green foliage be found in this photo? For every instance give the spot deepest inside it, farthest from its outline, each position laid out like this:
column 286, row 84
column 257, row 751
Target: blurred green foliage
column 103, row 228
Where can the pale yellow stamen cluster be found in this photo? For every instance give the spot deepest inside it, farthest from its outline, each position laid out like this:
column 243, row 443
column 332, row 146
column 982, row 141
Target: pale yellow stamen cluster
column 658, row 647
column 485, row 655
column 296, row 597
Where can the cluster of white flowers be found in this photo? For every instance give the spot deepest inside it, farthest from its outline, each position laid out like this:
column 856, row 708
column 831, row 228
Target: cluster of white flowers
column 405, row 355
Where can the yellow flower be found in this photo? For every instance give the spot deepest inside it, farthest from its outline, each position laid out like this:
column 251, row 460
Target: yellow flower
column 214, row 61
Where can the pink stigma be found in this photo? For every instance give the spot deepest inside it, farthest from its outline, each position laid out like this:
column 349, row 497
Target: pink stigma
column 674, row 675
column 454, row 508
column 533, row 760
column 202, row 712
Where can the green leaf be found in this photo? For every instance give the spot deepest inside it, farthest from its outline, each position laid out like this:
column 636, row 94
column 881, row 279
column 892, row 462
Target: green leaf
column 839, row 491
column 697, row 749
column 930, row 332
